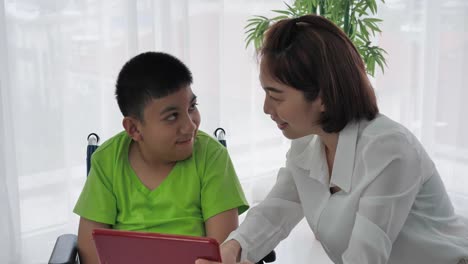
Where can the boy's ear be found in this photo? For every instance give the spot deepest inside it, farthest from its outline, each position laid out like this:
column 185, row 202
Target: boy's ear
column 131, row 126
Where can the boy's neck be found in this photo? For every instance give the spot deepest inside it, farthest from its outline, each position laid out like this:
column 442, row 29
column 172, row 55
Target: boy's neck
column 148, row 160
column 150, row 172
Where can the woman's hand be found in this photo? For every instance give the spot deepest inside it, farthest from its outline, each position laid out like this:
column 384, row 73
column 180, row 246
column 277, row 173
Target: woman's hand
column 230, row 251
column 202, row 261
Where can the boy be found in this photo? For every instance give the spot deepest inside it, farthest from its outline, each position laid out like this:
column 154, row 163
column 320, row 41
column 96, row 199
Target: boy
column 161, row 174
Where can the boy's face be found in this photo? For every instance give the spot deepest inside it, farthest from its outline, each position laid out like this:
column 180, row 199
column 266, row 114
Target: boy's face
column 170, row 127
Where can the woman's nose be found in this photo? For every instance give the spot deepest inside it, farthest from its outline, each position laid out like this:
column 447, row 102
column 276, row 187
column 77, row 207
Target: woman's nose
column 266, row 106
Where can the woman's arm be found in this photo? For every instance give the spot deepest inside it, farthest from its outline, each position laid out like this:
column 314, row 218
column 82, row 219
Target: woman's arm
column 230, row 253
column 270, row 221
column 395, row 172
column 86, row 248
column 265, row 225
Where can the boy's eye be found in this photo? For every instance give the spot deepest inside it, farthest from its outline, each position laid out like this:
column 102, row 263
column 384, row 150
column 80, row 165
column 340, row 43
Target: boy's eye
column 193, row 107
column 172, row 117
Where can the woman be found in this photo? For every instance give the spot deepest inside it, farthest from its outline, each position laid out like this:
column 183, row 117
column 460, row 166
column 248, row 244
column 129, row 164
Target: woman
column 367, row 188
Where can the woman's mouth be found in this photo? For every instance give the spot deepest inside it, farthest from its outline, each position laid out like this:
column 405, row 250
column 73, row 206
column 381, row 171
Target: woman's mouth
column 282, row 125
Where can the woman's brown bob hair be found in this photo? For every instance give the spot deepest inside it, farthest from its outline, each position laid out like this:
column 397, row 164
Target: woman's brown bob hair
column 311, row 54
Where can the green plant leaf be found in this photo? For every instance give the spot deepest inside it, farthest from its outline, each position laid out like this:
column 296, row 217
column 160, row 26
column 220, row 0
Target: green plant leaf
column 354, row 17
column 279, row 18
column 372, row 6
column 292, row 10
column 287, row 13
column 251, row 24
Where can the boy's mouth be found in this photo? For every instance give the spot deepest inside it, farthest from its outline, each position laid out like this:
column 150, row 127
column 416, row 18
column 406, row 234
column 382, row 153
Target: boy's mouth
column 184, row 141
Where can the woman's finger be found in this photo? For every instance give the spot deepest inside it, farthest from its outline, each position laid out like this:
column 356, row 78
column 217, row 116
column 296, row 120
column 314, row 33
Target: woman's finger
column 202, row 261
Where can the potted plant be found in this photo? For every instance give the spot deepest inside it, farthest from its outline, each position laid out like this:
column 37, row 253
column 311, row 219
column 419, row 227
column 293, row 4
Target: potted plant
column 354, row 17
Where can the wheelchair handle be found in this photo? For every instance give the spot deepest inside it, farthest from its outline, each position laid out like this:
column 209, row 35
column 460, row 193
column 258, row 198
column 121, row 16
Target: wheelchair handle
column 93, row 139
column 220, row 135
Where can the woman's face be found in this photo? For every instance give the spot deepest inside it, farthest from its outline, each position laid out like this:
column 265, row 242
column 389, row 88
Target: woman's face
column 295, row 116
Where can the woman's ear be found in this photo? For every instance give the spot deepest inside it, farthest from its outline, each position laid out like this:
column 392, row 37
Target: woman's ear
column 132, row 127
column 321, row 104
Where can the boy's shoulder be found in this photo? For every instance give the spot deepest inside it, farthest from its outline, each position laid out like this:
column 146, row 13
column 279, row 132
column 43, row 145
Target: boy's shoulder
column 203, row 136
column 205, row 142
column 113, row 146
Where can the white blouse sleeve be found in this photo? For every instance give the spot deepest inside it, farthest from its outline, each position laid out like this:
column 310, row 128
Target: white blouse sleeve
column 392, row 165
column 271, row 221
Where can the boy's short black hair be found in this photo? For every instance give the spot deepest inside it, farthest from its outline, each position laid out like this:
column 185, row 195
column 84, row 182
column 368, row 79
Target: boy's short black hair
column 150, row 75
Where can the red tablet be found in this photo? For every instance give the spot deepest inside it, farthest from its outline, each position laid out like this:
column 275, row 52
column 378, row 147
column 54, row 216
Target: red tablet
column 124, row 247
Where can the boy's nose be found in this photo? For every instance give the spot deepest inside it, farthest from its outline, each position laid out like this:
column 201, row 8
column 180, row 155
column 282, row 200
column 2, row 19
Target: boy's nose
column 189, row 126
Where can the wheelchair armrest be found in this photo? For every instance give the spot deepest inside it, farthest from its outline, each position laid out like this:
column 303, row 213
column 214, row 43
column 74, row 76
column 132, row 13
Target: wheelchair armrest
column 271, row 257
column 65, row 250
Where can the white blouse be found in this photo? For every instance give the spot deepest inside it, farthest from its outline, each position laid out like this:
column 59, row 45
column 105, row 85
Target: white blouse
column 392, row 207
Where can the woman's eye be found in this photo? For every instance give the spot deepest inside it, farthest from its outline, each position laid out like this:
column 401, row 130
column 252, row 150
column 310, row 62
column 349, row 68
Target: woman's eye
column 274, row 99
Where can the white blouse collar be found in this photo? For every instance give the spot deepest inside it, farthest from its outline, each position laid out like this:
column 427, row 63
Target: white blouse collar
column 308, row 153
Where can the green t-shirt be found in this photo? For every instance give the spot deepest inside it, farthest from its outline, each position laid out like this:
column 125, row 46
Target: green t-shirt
column 196, row 189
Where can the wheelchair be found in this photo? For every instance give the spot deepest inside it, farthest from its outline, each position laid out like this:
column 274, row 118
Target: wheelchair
column 66, row 251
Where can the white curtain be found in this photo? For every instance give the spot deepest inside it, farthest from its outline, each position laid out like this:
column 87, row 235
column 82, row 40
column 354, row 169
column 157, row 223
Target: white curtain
column 58, row 64
column 425, row 84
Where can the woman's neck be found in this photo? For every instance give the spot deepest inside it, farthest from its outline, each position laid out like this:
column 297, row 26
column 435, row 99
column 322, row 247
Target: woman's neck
column 330, row 141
